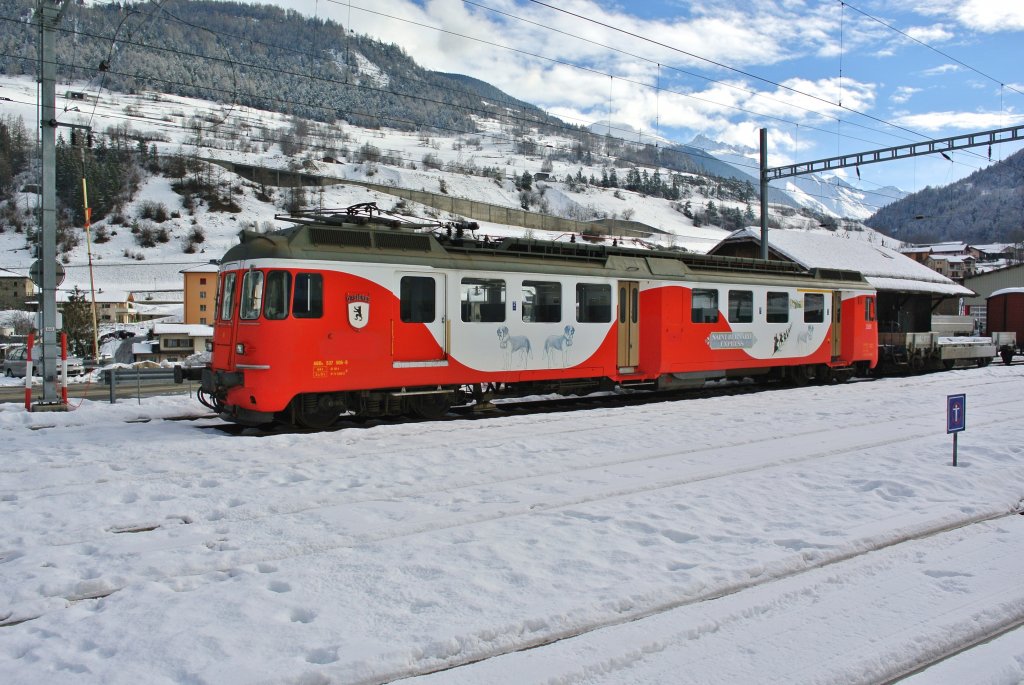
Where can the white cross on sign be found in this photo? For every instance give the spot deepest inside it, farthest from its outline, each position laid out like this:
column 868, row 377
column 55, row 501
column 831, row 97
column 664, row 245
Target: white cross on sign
column 956, row 413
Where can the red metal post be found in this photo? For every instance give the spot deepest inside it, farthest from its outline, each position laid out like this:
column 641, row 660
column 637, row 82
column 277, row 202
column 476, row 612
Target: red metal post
column 63, row 367
column 28, row 372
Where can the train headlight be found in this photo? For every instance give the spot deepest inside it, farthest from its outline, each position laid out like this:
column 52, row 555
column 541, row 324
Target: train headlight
column 239, row 348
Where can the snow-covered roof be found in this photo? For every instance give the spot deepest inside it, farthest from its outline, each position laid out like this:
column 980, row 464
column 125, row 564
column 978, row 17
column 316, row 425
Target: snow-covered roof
column 884, row 268
column 994, row 247
column 145, row 347
column 158, row 308
column 109, row 296
column 951, row 248
column 159, row 296
column 8, row 273
column 953, row 258
column 1007, row 291
column 210, row 267
column 192, row 330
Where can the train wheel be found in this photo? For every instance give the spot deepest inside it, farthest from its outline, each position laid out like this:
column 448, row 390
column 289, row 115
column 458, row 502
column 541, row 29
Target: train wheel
column 984, row 362
column 316, row 411
column 429, row 406
column 948, row 364
column 1007, row 356
column 799, row 376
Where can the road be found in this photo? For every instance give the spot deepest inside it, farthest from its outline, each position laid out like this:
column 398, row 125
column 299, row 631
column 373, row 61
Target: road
column 98, row 391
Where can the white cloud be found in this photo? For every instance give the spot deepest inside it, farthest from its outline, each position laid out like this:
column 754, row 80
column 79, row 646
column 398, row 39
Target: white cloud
column 930, row 34
column 988, row 16
column 903, row 94
column 965, row 121
column 941, row 70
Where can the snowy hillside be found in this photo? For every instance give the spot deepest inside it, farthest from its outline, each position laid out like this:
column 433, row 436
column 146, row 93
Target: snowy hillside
column 485, row 167
column 829, row 195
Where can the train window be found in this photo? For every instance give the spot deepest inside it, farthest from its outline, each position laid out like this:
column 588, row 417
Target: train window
column 869, row 309
column 542, row 302
column 252, row 294
column 308, row 302
column 741, row 306
column 593, row 303
column 814, row 308
column 227, row 298
column 416, row 299
column 705, row 306
column 275, row 303
column 483, row 299
column 778, row 308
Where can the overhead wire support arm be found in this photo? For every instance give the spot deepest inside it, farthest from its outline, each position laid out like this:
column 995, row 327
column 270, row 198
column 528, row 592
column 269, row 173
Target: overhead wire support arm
column 929, row 147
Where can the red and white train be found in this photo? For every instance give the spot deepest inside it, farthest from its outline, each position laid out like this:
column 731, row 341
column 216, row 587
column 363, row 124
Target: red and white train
column 360, row 314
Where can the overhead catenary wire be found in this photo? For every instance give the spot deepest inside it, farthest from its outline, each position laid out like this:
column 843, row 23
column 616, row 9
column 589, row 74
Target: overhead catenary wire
column 392, row 92
column 462, row 107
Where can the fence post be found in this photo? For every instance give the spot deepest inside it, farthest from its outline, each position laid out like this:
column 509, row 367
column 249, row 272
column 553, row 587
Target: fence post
column 112, row 382
column 138, row 385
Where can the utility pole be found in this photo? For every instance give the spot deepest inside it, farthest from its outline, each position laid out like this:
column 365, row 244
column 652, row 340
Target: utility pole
column 764, row 194
column 49, row 13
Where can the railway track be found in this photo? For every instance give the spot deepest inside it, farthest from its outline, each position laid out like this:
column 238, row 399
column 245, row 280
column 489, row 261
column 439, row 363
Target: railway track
column 465, row 488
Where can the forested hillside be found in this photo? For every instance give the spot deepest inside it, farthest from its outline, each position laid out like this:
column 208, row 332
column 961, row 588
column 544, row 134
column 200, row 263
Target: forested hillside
column 985, row 207
column 256, row 55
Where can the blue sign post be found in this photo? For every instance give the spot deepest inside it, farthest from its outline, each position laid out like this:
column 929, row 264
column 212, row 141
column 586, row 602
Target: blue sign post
column 956, row 418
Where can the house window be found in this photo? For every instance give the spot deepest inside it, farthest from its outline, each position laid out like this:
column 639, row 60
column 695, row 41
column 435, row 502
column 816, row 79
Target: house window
column 202, row 307
column 542, row 301
column 778, row 308
column 202, row 294
column 202, row 281
column 741, row 306
column 483, row 299
column 593, row 303
column 814, row 308
column 704, row 306
column 417, row 299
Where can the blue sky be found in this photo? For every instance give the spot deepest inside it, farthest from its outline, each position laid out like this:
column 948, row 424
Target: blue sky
column 825, row 78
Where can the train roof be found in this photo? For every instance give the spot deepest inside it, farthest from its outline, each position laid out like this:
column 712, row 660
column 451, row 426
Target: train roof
column 884, row 268
column 360, row 237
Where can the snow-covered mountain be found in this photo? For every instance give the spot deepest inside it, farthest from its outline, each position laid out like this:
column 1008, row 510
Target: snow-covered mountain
column 482, row 166
column 825, row 194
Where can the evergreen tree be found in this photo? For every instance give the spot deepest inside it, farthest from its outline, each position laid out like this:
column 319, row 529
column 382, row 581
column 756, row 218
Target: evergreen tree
column 526, row 181
column 77, row 316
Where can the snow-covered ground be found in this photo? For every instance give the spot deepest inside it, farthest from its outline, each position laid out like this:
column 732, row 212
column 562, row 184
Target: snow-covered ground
column 814, row 535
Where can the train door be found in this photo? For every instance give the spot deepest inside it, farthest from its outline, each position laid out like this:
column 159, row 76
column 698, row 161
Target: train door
column 837, row 328
column 629, row 325
column 420, row 332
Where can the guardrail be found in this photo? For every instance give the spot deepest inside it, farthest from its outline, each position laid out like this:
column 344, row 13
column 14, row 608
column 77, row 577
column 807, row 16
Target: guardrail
column 138, row 376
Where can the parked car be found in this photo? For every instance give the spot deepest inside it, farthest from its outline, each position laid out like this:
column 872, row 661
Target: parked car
column 17, row 359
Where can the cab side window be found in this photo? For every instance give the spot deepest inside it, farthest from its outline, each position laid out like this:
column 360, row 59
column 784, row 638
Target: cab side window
column 275, row 303
column 308, row 302
column 416, row 299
